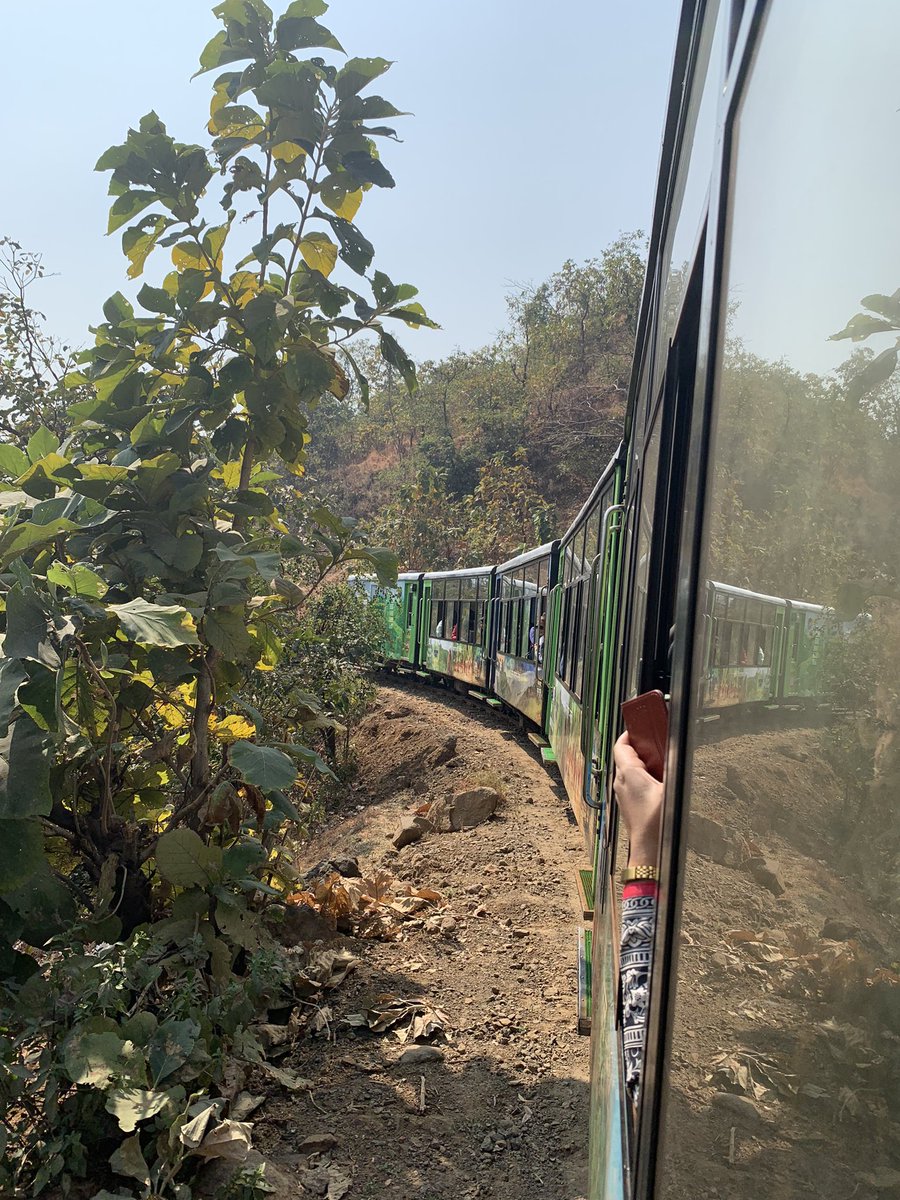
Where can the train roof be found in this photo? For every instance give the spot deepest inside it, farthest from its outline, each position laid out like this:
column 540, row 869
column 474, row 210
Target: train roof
column 404, row 575
column 527, row 556
column 460, row 573
column 731, row 590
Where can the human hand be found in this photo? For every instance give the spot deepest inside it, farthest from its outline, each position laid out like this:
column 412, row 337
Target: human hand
column 640, row 799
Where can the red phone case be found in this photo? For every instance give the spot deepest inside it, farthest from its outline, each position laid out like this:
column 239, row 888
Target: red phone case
column 647, row 721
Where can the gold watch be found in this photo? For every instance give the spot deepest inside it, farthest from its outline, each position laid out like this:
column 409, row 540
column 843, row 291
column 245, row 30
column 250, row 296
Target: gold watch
column 643, row 873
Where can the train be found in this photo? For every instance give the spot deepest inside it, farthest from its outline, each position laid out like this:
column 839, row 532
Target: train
column 754, row 452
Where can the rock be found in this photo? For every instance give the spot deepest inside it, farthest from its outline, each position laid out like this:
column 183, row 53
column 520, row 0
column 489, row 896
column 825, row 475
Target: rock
column 765, row 875
column 839, row 931
column 394, row 714
column 221, row 1178
column 348, row 867
column 740, row 1108
column 449, row 924
column 445, row 753
column 304, row 924
column 712, row 839
column 317, row 1143
column 472, row 807
column 420, row 1054
column 411, row 829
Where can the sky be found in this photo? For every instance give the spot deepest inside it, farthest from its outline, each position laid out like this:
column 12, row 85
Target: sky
column 535, row 139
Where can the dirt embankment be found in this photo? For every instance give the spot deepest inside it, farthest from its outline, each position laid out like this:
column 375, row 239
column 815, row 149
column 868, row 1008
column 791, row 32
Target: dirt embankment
column 497, row 1106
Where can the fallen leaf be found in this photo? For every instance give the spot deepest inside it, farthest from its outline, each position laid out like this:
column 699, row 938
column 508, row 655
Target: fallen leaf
column 229, row 1140
column 339, row 1183
column 244, row 1105
column 287, row 1078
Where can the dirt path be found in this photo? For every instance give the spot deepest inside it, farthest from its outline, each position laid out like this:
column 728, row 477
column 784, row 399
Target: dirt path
column 506, row 1101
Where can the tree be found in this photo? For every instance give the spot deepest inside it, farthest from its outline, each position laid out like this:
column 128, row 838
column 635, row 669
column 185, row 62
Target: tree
column 32, row 364
column 146, row 570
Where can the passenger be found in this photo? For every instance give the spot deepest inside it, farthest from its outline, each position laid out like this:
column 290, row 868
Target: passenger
column 540, row 641
column 439, row 630
column 454, row 634
column 532, row 633
column 640, row 798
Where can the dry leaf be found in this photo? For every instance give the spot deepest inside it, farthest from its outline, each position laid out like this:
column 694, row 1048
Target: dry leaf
column 339, row 1183
column 244, row 1106
column 287, row 1078
column 229, row 1140
column 192, row 1133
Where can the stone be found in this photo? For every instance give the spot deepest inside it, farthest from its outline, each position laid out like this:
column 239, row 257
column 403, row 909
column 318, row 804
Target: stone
column 411, row 829
column 415, row 1055
column 765, row 875
column 449, row 924
column 302, row 924
column 712, row 839
column 837, row 930
column 446, row 752
column 473, row 807
column 221, row 1178
column 317, row 1143
column 740, row 1108
column 348, row 867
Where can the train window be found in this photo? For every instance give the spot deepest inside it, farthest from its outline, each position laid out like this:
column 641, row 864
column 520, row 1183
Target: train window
column 592, row 542
column 690, row 185
column 782, row 1050
column 642, row 563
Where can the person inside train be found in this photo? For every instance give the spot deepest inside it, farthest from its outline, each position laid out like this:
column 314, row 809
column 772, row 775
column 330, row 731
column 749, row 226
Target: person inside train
column 540, row 640
column 640, row 799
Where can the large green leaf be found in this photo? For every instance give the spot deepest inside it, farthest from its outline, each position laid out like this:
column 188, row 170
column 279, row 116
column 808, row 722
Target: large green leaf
column 156, row 624
column 357, row 73
column 183, row 858
column 27, row 628
column 392, row 352
column 44, row 906
column 128, row 1160
column 12, row 676
column 226, row 629
column 13, row 462
column 95, row 1058
column 170, row 1047
column 130, row 1106
column 21, row 852
column 78, row 579
column 25, row 771
column 303, row 33
column 41, row 443
column 263, row 766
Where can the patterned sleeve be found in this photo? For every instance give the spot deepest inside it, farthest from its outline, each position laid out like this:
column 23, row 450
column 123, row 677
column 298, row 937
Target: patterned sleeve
column 638, row 922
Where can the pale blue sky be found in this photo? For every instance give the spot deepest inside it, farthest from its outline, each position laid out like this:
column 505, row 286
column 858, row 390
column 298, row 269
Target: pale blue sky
column 535, row 138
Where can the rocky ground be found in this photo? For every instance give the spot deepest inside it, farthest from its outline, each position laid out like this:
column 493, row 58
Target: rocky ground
column 491, row 1100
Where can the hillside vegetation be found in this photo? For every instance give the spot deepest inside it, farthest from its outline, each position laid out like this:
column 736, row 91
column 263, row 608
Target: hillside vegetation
column 498, row 447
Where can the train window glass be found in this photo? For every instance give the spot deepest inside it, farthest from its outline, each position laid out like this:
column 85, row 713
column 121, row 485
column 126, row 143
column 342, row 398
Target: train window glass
column 687, row 204
column 783, row 1045
column 642, row 557
column 592, row 542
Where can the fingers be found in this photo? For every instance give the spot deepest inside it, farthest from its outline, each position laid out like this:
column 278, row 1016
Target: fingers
column 626, row 756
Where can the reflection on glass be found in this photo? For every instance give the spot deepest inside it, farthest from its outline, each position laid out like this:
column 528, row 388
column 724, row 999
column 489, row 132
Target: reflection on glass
column 784, row 1075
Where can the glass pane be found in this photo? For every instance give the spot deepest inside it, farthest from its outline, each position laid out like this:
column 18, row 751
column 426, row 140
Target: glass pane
column 642, row 566
column 784, row 1061
column 688, row 204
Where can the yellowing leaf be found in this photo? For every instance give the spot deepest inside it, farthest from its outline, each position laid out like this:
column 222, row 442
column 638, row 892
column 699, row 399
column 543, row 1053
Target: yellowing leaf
column 244, row 286
column 229, row 473
column 350, row 205
column 319, row 253
column 186, row 256
column 286, row 152
column 231, row 729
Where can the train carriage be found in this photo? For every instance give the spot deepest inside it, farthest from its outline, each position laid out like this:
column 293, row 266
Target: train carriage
column 520, row 636
column 456, row 626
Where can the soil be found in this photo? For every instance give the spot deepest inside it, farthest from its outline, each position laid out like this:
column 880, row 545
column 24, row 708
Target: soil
column 506, row 1102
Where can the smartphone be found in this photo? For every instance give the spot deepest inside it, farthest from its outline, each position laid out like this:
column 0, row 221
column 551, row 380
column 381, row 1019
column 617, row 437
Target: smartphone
column 647, row 721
